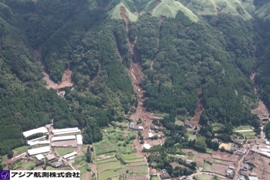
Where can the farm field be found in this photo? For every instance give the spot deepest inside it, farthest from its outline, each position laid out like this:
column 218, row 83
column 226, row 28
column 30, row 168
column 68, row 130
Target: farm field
column 203, row 177
column 63, row 151
column 249, row 135
column 115, row 155
column 20, row 150
column 247, row 127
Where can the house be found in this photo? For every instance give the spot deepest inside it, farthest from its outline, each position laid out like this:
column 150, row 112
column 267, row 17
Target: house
column 164, row 171
column 153, row 172
column 215, row 140
column 246, row 158
column 238, row 141
column 245, row 167
column 253, row 174
column 57, row 164
column 241, row 177
column 153, row 127
column 50, row 157
column 229, row 172
column 165, row 176
column 252, row 178
column 187, row 124
column 240, row 153
column 150, row 135
column 231, row 167
column 188, row 161
column 243, row 173
column 132, row 126
column 147, row 146
column 40, row 157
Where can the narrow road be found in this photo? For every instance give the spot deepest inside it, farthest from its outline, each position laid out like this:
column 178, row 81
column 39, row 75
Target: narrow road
column 16, row 158
column 208, row 173
column 69, row 164
column 239, row 164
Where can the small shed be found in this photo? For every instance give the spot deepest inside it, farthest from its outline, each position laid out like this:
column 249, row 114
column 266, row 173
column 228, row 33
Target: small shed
column 40, row 157
column 50, row 157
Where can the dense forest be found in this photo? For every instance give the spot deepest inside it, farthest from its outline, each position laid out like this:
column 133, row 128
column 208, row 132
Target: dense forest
column 179, row 57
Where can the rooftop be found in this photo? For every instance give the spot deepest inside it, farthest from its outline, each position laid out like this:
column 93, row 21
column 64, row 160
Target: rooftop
column 50, row 157
column 147, row 146
column 35, row 131
column 40, row 157
column 38, row 150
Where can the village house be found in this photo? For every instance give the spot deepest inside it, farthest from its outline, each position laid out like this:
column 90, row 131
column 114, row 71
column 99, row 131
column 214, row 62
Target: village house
column 229, row 173
column 187, row 124
column 165, row 176
column 245, row 167
column 153, row 172
column 240, row 153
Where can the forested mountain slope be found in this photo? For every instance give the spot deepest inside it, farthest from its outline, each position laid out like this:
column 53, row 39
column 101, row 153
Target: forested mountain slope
column 184, row 47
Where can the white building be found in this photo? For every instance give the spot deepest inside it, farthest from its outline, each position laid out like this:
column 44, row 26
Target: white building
column 79, row 139
column 35, row 131
column 40, row 150
column 147, row 146
column 63, row 138
column 150, row 135
column 40, row 157
column 66, row 131
column 69, row 155
column 33, row 143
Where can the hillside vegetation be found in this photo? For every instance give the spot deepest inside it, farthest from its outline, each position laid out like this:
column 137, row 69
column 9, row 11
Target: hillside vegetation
column 195, row 53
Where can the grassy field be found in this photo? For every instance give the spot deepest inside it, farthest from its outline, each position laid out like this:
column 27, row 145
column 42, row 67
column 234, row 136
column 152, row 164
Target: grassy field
column 20, row 150
column 130, row 158
column 117, row 141
column 169, row 8
column 24, row 164
column 104, row 146
column 108, row 174
column 247, row 127
column 203, row 177
column 63, row 151
column 208, row 7
column 249, row 135
column 115, row 13
column 154, row 178
column 111, row 165
column 191, row 136
column 141, row 169
column 179, row 123
column 207, row 166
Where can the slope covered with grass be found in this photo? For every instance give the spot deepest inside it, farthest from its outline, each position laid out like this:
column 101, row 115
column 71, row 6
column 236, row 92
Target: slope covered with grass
column 263, row 12
column 169, row 8
column 115, row 13
column 211, row 7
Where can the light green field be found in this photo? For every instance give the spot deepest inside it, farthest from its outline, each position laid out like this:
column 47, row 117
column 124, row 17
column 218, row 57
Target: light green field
column 108, row 174
column 208, row 7
column 104, row 146
column 112, row 165
column 20, row 150
column 115, row 13
column 24, row 164
column 142, row 169
column 263, row 12
column 169, row 8
column 131, row 158
column 63, row 151
column 247, row 127
column 154, row 178
column 207, row 166
column 191, row 136
column 204, row 177
column 249, row 135
column 179, row 123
